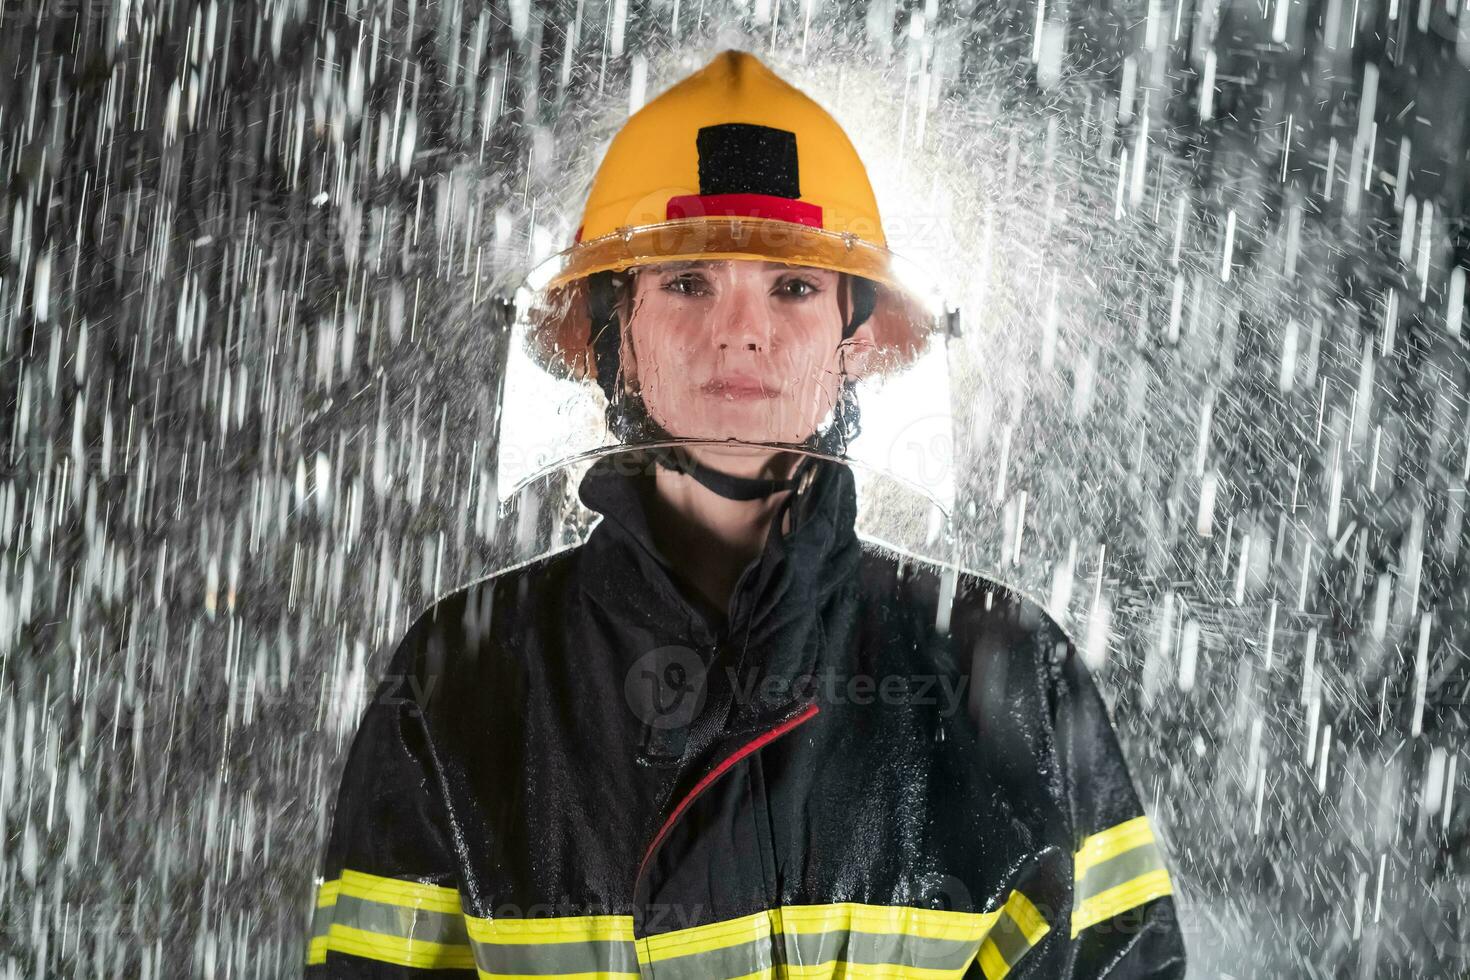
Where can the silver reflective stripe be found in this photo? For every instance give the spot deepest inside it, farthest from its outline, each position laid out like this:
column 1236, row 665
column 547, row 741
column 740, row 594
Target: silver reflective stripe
column 1009, row 940
column 730, row 961
column 886, row 948
column 588, row 946
column 821, row 948
column 876, row 939
column 1118, row 870
column 321, row 919
column 1015, row 933
column 555, row 959
column 391, row 920
column 419, row 925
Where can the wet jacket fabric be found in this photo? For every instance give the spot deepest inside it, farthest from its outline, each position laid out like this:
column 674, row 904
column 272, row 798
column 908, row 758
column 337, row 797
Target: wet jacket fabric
column 867, row 766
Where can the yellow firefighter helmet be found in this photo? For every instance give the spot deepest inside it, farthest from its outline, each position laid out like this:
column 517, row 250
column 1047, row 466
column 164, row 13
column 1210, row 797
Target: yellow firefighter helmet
column 729, row 163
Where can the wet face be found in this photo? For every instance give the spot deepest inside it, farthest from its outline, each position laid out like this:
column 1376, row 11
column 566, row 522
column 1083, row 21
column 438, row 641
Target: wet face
column 738, row 349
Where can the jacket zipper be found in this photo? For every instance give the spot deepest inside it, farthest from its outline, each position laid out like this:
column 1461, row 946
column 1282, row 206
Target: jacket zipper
column 722, row 635
column 764, row 738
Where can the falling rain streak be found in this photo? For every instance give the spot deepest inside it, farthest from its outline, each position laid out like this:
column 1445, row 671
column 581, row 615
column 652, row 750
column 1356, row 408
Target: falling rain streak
column 1209, row 262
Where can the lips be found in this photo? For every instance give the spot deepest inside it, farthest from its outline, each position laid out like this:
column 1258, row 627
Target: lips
column 741, row 386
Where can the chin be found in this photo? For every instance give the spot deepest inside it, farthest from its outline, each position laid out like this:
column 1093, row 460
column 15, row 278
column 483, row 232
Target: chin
column 749, row 420
column 720, row 434
column 747, row 430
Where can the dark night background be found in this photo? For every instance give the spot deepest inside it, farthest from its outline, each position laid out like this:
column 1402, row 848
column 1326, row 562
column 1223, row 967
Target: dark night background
column 1211, row 390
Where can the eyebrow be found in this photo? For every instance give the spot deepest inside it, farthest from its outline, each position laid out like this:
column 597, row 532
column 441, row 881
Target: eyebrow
column 682, row 264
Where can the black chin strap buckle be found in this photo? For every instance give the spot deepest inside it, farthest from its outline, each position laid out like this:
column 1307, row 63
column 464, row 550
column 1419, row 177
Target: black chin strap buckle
column 727, row 485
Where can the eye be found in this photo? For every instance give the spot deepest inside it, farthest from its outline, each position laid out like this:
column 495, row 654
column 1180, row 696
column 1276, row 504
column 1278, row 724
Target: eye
column 806, row 287
column 687, row 284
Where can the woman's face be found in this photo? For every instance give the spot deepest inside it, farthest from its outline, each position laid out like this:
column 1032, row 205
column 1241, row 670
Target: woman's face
column 736, row 349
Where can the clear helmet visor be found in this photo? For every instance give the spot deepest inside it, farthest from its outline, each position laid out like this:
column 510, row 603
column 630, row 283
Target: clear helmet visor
column 733, row 348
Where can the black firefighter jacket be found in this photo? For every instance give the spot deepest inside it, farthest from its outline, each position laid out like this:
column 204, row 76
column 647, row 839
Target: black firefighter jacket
column 863, row 768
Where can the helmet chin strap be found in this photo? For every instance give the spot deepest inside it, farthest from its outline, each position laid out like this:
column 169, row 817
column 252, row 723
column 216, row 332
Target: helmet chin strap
column 728, row 485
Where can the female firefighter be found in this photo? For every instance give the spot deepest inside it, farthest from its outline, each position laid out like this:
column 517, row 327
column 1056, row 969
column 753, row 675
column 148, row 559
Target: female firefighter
column 723, row 737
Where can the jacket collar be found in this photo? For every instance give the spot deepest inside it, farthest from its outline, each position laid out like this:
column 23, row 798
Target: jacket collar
column 798, row 593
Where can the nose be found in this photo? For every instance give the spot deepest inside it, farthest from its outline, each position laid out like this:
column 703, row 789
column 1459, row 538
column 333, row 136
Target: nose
column 742, row 320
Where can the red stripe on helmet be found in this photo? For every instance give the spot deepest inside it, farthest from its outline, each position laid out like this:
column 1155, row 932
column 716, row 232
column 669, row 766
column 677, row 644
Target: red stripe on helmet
column 744, row 205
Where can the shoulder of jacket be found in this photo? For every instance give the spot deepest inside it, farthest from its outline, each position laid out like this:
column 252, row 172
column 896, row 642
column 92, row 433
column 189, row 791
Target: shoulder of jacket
column 465, row 613
column 990, row 607
column 889, row 565
column 540, row 565
column 983, row 604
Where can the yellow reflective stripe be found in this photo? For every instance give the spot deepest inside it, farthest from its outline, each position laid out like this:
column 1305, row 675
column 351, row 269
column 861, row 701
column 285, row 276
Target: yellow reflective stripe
column 1021, row 919
column 1025, row 927
column 840, row 916
column 1121, row 898
column 1112, row 842
column 396, row 891
column 327, row 893
column 394, row 894
column 992, row 964
column 845, row 970
column 907, row 920
column 1131, row 847
column 594, row 975
column 1020, row 910
column 1021, row 929
column 703, row 939
column 552, row 929
column 326, row 897
column 857, row 971
column 396, row 950
column 596, row 947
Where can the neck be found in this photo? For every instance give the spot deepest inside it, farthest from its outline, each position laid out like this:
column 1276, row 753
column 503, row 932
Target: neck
column 708, row 538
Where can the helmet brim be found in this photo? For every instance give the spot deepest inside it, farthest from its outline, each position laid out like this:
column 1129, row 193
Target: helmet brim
column 907, row 313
